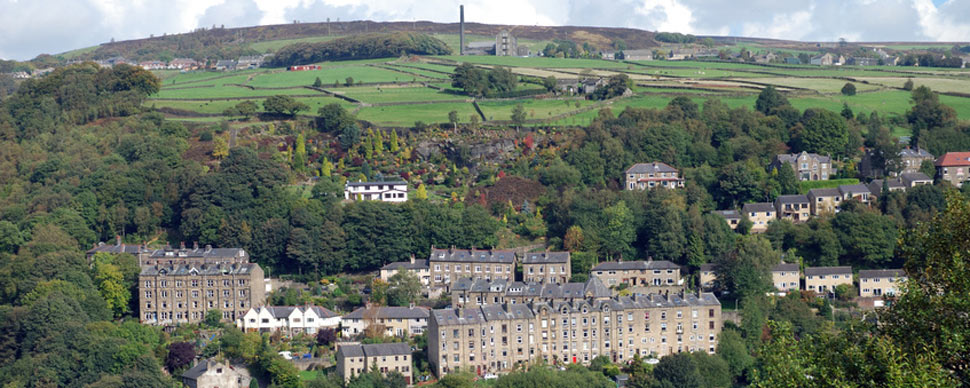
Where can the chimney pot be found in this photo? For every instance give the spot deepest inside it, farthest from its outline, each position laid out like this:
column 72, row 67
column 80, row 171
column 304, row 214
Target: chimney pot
column 195, row 245
column 118, row 240
column 182, row 244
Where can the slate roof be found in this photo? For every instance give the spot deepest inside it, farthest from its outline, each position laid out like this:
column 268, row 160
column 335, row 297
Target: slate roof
column 881, row 273
column 206, row 252
column 854, row 189
column 757, row 207
column 910, row 177
column 387, row 349
column 706, row 267
column 817, row 271
column 794, row 198
column 493, row 312
column 279, row 312
column 792, row 158
column 122, row 248
column 397, row 182
column 650, row 168
column 593, row 287
column 546, row 258
column 635, row 265
column 828, row 192
column 472, row 255
column 203, row 366
column 728, row 214
column 350, row 351
column 875, row 187
column 204, row 269
column 417, row 264
column 915, row 153
column 390, row 312
column 785, row 267
column 953, row 159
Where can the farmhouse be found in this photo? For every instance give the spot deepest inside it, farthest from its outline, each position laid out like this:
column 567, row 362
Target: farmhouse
column 225, row 64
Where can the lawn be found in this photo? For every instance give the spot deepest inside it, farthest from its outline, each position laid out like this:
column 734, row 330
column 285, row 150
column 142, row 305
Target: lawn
column 228, row 91
column 534, row 109
column 695, row 73
column 218, row 106
column 392, row 94
column 805, row 186
column 821, row 85
column 203, row 78
column 328, row 76
column 407, row 115
column 537, row 62
column 420, row 72
column 937, row 84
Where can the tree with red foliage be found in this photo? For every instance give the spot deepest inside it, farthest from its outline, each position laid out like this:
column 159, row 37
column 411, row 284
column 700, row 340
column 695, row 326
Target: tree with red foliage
column 528, row 142
column 326, row 336
column 180, row 354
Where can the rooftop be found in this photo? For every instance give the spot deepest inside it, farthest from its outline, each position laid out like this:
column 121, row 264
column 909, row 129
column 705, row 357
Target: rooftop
column 203, row 269
column 729, row 214
column 953, row 159
column 829, row 192
column 417, row 264
column 758, row 207
column 881, row 273
column 389, row 312
column 635, row 265
column 785, row 267
column 650, row 168
column 817, row 271
column 546, row 258
column 473, row 255
column 791, row 158
column 374, row 350
column 795, row 198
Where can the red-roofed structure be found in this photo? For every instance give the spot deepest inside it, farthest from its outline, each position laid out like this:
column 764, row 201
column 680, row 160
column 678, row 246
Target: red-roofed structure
column 954, row 167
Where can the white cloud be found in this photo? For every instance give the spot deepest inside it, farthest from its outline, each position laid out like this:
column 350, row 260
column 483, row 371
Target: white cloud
column 667, row 15
column 947, row 23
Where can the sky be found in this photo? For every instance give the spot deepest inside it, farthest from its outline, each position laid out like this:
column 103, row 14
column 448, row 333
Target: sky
column 32, row 27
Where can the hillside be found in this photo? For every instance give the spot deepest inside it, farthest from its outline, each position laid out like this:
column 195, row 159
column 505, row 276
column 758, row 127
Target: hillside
column 238, row 41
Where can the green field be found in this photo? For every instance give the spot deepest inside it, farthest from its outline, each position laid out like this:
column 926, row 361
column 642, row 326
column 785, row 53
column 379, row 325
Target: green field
column 698, row 80
column 218, row 106
column 376, row 95
column 328, row 76
column 229, row 91
column 534, row 109
column 406, row 115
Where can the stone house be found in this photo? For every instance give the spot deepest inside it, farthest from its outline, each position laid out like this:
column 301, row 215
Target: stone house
column 390, row 191
column 760, row 214
column 786, row 277
column 824, row 201
column 391, row 320
column 355, row 359
column 479, row 292
column 214, row 374
column 823, row 280
column 645, row 277
column 953, row 167
column 807, row 166
column 419, row 268
column 913, row 158
column 452, row 264
column 794, row 208
column 505, row 44
column 880, row 282
column 546, row 267
column 857, row 192
column 183, row 293
column 643, row 176
column 499, row 338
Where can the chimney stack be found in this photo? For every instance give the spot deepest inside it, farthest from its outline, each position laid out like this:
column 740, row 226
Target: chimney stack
column 461, row 31
column 182, row 245
column 118, row 240
column 195, row 245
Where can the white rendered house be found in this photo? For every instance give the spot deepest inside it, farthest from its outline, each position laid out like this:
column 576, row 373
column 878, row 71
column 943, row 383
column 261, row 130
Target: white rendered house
column 292, row 320
column 393, row 191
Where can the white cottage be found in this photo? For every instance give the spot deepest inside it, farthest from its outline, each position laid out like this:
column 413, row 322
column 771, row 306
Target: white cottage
column 392, row 191
column 291, row 320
